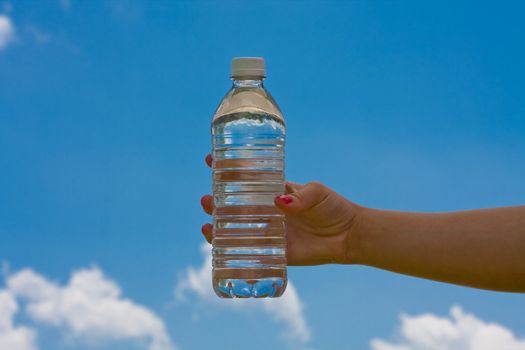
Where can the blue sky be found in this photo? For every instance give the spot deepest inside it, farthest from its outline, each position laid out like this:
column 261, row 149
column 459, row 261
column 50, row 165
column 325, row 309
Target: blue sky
column 105, row 110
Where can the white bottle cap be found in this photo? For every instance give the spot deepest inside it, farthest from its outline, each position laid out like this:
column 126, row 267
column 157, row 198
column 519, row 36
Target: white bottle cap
column 248, row 67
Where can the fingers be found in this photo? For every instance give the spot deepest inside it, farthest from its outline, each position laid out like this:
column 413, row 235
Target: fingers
column 302, row 198
column 207, row 204
column 207, row 230
column 291, row 187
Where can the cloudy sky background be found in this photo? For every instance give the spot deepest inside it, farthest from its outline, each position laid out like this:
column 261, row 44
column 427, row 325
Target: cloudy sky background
column 104, row 121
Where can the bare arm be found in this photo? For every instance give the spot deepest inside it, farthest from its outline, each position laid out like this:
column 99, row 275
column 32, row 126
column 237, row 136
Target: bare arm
column 478, row 248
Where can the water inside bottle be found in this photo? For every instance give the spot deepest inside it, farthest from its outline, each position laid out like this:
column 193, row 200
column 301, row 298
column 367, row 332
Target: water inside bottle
column 249, row 244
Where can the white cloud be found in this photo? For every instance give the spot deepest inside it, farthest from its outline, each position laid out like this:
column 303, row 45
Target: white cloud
column 12, row 337
column 89, row 307
column 197, row 281
column 7, row 31
column 287, row 309
column 462, row 331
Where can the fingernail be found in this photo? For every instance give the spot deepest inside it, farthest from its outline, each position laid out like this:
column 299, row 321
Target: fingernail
column 285, row 199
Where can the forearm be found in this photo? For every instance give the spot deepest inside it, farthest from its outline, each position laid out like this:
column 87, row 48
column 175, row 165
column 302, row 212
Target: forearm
column 478, row 248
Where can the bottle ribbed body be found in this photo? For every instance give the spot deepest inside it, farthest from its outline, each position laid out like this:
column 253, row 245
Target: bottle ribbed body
column 249, row 243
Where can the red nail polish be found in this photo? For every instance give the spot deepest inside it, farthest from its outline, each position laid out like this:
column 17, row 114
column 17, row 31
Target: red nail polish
column 285, row 199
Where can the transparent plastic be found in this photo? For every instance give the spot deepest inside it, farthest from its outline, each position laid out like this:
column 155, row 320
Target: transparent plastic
column 249, row 243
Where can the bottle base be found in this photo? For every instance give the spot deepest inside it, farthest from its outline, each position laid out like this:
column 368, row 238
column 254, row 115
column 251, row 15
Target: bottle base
column 269, row 287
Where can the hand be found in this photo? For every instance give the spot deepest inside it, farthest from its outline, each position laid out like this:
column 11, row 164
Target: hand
column 319, row 224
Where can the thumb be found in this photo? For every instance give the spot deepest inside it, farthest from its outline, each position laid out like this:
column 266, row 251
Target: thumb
column 303, row 198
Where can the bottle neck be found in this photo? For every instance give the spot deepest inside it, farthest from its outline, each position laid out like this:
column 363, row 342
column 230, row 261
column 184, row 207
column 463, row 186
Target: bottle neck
column 248, row 83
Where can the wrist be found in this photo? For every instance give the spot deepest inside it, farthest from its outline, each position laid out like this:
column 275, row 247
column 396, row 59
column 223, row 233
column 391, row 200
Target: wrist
column 356, row 235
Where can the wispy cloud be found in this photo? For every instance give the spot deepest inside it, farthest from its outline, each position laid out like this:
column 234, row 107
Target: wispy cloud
column 287, row 309
column 39, row 36
column 126, row 10
column 65, row 4
column 7, row 7
column 7, row 31
column 89, row 307
column 460, row 331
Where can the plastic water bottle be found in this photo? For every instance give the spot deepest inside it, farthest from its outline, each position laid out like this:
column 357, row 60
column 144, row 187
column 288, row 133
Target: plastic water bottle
column 248, row 136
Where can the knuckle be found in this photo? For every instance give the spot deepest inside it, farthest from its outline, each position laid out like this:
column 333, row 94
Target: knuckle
column 316, row 186
column 292, row 186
